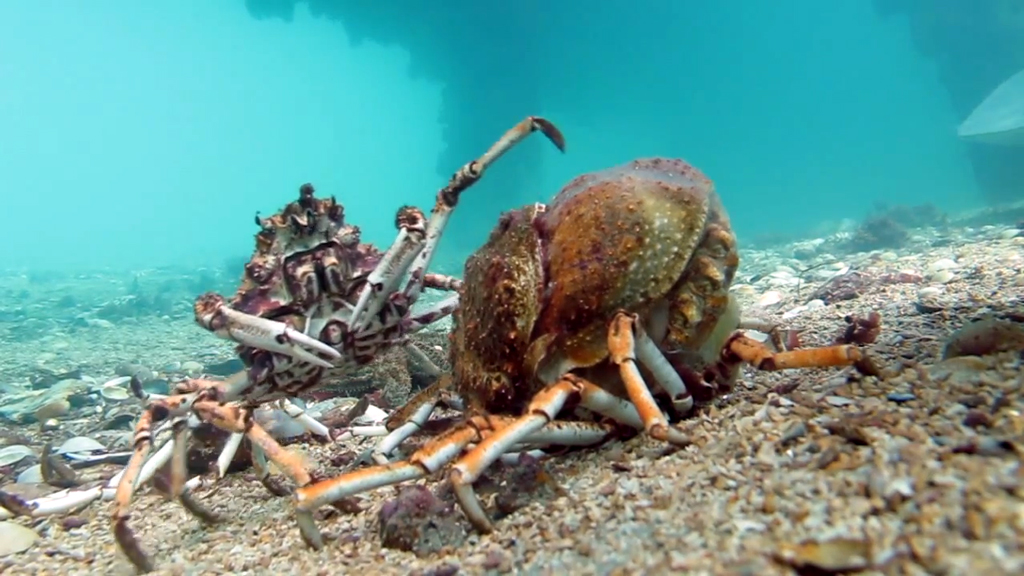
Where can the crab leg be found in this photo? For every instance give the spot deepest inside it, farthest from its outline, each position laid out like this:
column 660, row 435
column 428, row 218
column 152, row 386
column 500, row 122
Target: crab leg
column 649, row 355
column 227, row 454
column 229, row 417
column 421, row 359
column 621, row 346
column 409, row 419
column 435, row 455
column 441, row 282
column 300, row 416
column 384, row 279
column 430, row 314
column 741, row 348
column 214, row 314
column 447, row 198
column 494, row 436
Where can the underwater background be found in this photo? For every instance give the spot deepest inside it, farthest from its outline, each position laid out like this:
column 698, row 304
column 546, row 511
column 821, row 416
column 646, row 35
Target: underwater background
column 149, row 133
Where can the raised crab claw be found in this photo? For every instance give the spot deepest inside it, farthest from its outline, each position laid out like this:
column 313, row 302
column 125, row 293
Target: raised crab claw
column 613, row 299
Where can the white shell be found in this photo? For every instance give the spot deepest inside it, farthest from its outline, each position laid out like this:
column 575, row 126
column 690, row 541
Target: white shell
column 79, row 444
column 14, row 454
column 114, row 393
column 31, row 475
column 119, row 381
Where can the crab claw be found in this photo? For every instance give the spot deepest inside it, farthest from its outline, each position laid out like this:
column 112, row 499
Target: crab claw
column 248, row 330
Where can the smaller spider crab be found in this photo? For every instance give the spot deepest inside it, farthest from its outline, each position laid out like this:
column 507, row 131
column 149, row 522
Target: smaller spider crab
column 614, row 299
column 315, row 305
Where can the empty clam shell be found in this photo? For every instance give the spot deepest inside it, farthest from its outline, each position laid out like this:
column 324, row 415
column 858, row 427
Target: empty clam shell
column 31, row 475
column 14, row 454
column 119, row 381
column 15, row 538
column 79, row 444
column 114, row 394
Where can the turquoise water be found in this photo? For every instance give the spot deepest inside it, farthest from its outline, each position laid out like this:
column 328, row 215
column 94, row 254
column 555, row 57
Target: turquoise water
column 141, row 134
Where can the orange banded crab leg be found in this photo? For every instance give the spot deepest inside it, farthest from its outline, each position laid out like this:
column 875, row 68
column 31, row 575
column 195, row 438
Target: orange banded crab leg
column 495, row 436
column 414, row 247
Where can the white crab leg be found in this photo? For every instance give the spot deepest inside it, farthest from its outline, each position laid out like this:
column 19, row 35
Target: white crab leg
column 228, row 453
column 58, row 502
column 384, row 279
column 269, row 335
column 300, row 416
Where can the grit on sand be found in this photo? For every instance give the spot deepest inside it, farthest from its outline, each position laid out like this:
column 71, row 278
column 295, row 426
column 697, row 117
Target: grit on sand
column 916, row 471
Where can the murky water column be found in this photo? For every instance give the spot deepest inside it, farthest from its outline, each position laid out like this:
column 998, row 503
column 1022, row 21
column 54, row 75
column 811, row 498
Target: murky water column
column 976, row 46
column 488, row 56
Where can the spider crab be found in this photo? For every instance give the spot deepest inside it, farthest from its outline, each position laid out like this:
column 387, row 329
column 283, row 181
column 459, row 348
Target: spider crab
column 315, row 304
column 614, row 298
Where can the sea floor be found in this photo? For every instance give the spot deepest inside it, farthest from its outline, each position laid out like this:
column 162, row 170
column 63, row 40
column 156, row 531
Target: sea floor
column 915, row 471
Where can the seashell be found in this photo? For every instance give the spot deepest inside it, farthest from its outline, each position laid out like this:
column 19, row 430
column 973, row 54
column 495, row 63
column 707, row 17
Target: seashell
column 769, row 298
column 14, row 454
column 941, row 264
column 15, row 538
column 941, row 277
column 815, row 304
column 31, row 475
column 114, row 394
column 793, row 312
column 79, row 444
column 119, row 381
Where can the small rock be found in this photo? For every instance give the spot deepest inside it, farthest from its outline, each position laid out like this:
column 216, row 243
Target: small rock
column 900, row 397
column 977, row 419
column 838, row 401
column 72, row 522
column 192, row 368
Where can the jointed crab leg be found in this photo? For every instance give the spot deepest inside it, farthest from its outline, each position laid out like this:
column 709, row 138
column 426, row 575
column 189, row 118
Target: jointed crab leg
column 441, row 282
column 213, row 313
column 388, row 275
column 410, row 418
column 209, row 405
column 493, row 436
column 384, row 279
column 433, row 313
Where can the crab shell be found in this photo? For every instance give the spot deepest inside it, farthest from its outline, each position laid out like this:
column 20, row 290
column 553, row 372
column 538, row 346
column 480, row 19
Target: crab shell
column 650, row 237
column 306, row 267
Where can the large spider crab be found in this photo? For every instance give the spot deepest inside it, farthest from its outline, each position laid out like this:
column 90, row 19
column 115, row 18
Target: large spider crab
column 614, row 298
column 315, row 304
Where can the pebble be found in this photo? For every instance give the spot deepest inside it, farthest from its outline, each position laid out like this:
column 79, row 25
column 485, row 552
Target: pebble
column 929, row 292
column 191, row 368
column 900, row 397
column 838, row 401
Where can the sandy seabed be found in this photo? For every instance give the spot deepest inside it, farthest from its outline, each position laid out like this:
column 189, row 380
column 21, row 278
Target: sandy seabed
column 917, row 471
